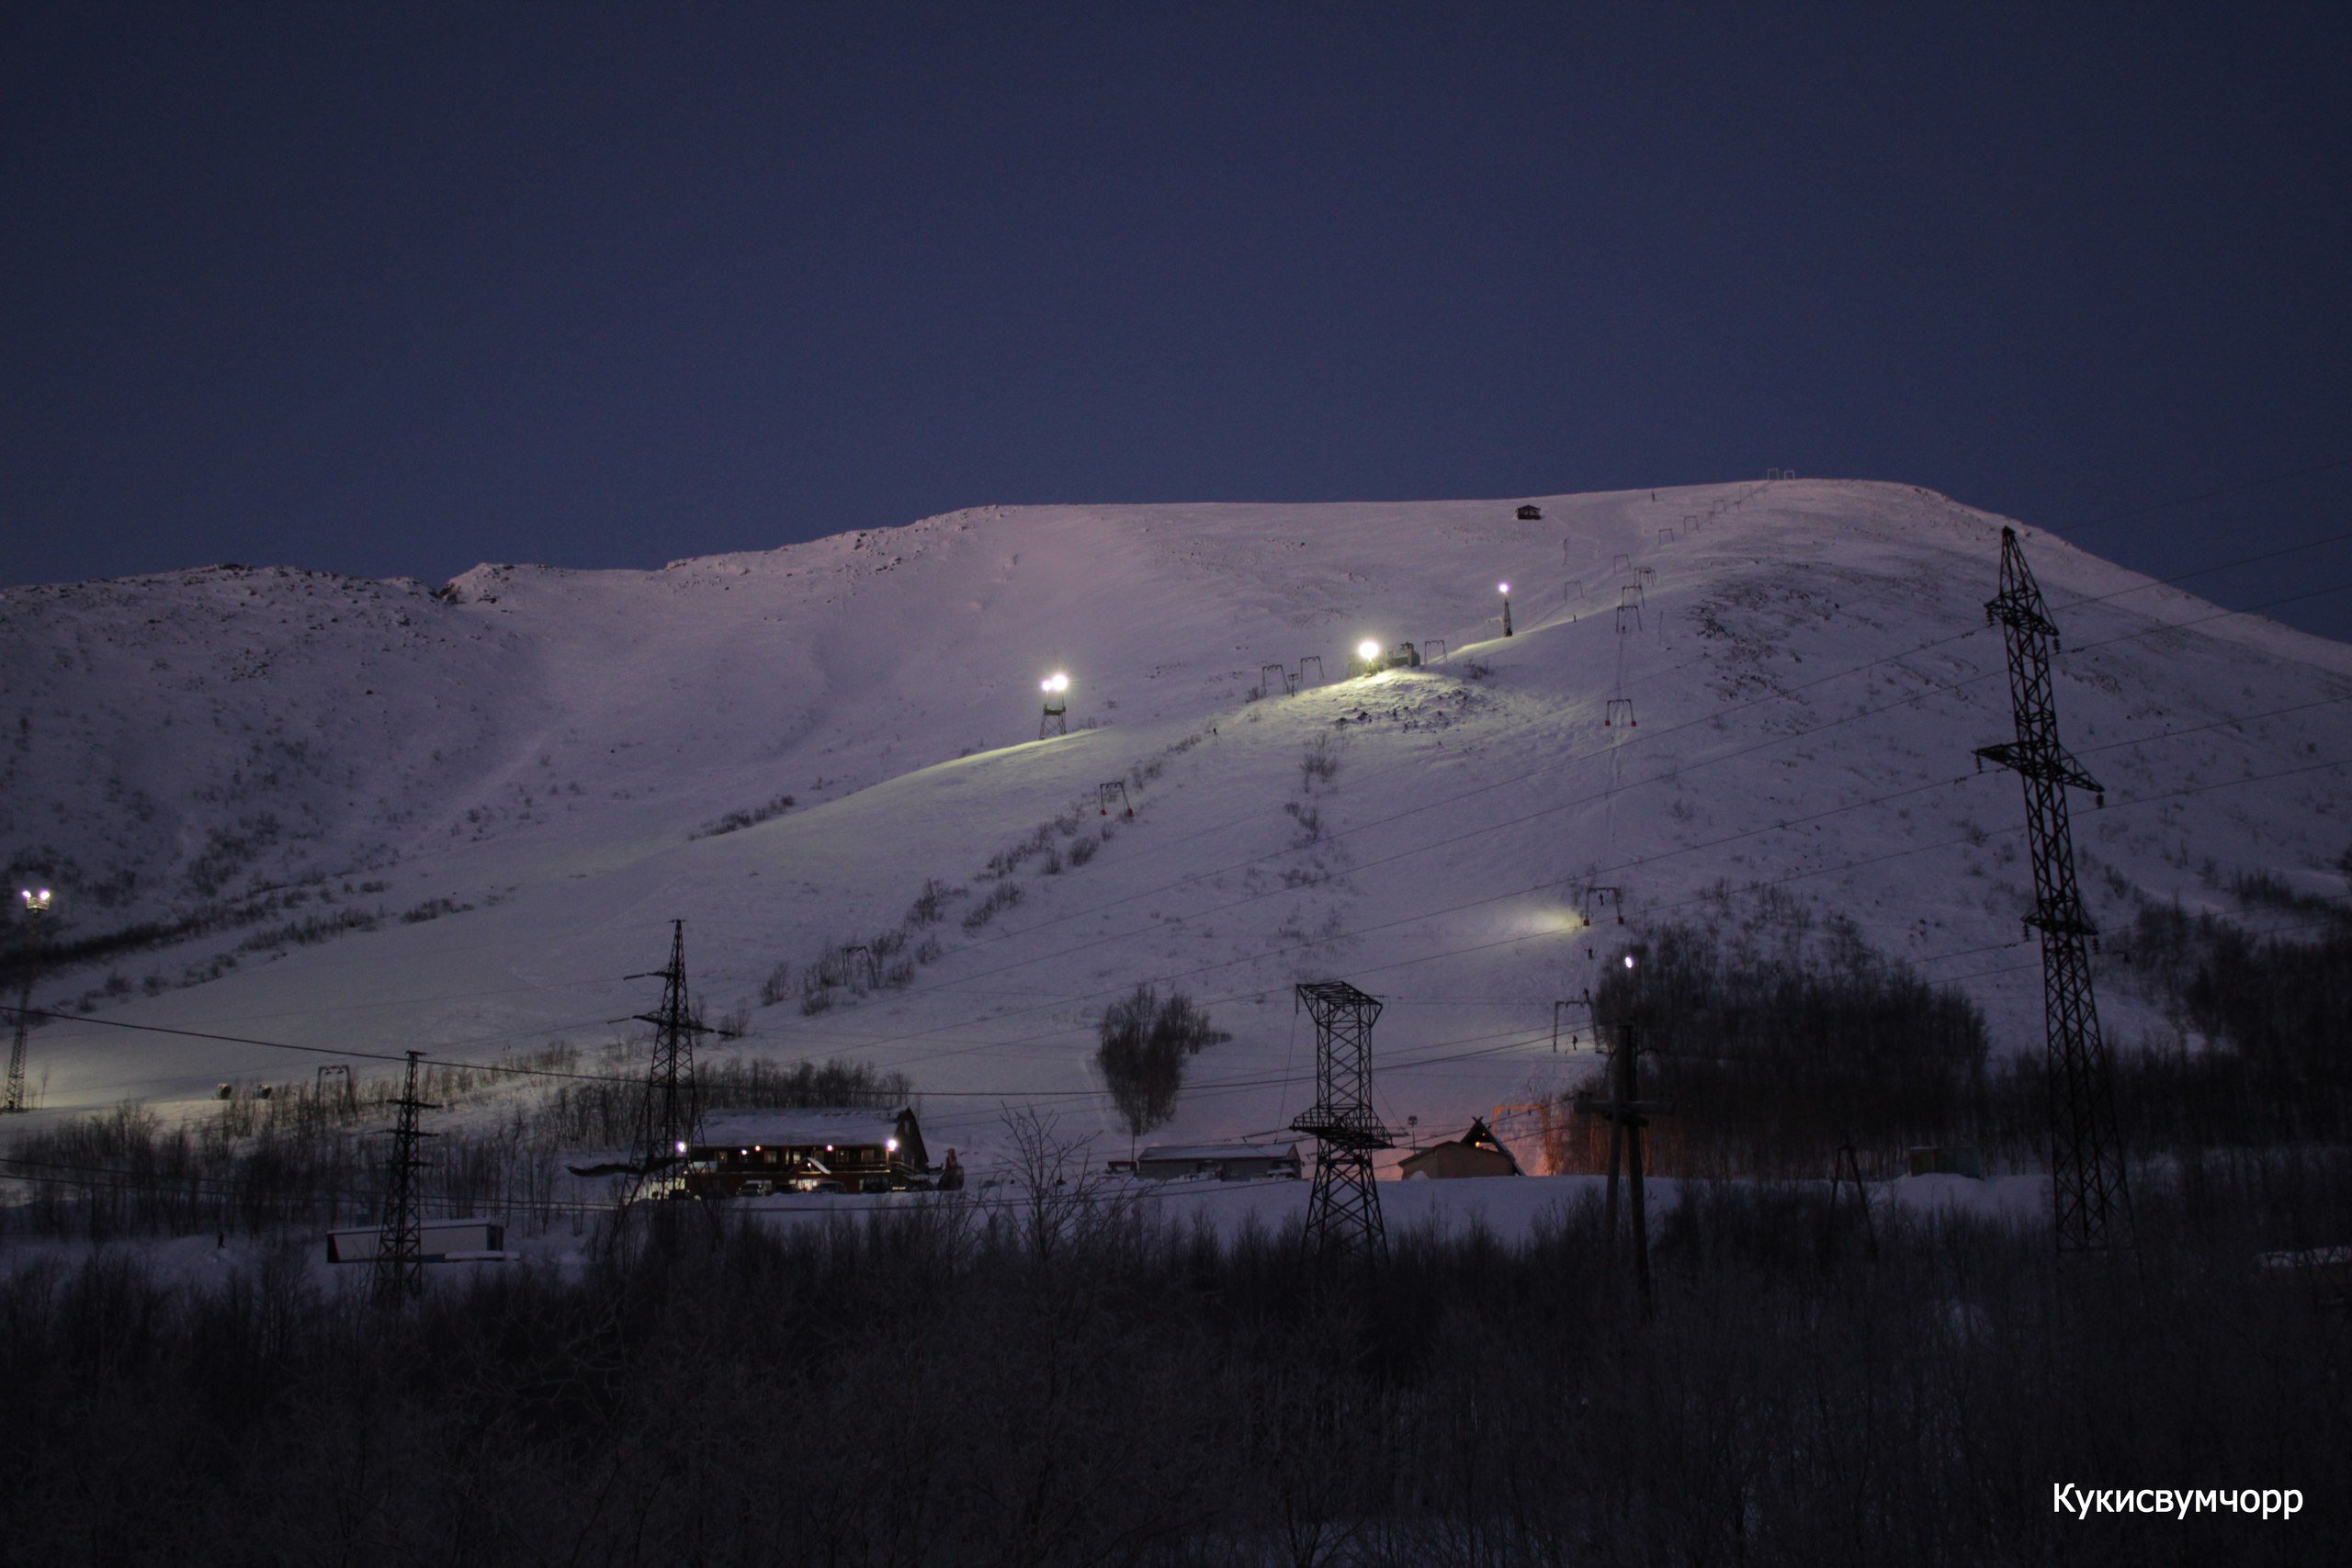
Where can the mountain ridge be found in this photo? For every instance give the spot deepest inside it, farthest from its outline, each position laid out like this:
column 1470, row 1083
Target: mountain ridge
column 539, row 744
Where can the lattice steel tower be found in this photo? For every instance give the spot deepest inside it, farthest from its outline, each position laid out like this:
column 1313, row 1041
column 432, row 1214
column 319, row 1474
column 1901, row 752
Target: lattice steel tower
column 400, row 1244
column 1343, row 1212
column 673, row 1108
column 2092, row 1204
column 36, row 906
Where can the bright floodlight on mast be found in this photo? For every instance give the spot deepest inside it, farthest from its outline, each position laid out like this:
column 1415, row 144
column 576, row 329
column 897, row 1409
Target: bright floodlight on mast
column 36, row 901
column 1057, row 718
column 1504, row 588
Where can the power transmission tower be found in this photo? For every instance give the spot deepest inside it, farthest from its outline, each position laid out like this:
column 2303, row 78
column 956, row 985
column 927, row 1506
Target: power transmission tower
column 1343, row 1212
column 1627, row 1114
column 2092, row 1205
column 673, row 1108
column 399, row 1244
column 36, row 906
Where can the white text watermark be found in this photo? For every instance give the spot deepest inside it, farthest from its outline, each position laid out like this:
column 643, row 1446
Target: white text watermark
column 2268, row 1503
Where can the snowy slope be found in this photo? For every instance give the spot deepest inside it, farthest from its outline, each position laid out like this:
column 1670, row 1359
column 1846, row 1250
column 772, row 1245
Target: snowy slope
column 522, row 759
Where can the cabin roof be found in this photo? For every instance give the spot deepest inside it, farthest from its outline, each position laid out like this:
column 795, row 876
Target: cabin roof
column 796, row 1128
column 1218, row 1151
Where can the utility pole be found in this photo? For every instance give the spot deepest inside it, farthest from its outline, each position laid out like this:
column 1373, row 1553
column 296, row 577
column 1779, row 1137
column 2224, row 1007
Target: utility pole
column 1343, row 1212
column 35, row 905
column 1627, row 1114
column 2090, row 1200
column 400, row 1244
column 673, row 1108
column 1847, row 1166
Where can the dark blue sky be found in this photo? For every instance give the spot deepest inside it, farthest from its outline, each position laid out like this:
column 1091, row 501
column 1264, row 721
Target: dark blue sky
column 395, row 290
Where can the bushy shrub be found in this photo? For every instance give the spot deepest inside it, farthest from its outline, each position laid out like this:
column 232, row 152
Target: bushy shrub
column 1143, row 1044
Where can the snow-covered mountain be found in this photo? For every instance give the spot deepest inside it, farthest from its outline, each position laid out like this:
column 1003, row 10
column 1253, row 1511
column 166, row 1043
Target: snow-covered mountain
column 456, row 819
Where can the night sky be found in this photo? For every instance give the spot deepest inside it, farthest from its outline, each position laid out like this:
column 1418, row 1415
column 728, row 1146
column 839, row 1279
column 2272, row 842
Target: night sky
column 394, row 290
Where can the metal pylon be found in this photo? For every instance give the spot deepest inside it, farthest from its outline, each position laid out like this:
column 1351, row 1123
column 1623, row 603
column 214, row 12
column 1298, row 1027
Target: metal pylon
column 673, row 1108
column 2092, row 1204
column 14, row 1098
column 35, row 907
column 1343, row 1211
column 400, row 1244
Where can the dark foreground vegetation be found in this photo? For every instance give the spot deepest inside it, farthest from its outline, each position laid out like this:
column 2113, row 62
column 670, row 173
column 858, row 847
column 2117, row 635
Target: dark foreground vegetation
column 1781, row 1039
column 1063, row 1381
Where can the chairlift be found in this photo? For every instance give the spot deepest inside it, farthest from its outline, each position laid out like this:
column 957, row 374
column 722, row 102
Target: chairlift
column 1115, row 793
column 1574, row 1038
column 1619, row 707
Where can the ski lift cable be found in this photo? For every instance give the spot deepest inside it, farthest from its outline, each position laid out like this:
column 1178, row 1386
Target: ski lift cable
column 1587, row 799
column 1803, row 874
column 1656, row 733
column 1716, row 843
column 1227, row 826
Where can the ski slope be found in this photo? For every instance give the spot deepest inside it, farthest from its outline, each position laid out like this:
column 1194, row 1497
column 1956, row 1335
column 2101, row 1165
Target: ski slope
column 521, row 762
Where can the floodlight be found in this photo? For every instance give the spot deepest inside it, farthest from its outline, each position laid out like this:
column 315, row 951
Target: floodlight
column 891, row 1144
column 1502, row 587
column 1367, row 648
column 1056, row 681
column 1629, row 961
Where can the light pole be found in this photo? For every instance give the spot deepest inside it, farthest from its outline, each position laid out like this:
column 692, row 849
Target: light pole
column 1056, row 719
column 36, row 906
column 1504, row 588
